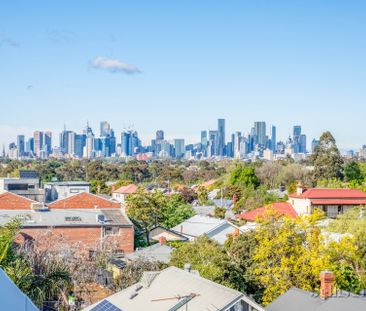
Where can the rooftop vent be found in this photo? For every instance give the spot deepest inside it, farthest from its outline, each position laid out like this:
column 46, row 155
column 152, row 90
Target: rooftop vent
column 100, row 218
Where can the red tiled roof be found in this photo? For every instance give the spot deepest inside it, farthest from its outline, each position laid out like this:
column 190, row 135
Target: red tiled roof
column 339, row 202
column 12, row 201
column 84, row 200
column 208, row 183
column 126, row 189
column 322, row 193
column 283, row 208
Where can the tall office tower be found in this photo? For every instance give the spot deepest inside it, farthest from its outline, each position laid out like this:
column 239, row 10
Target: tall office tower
column 236, row 147
column 260, row 133
column 38, row 142
column 204, row 138
column 112, row 142
column 64, row 141
column 80, row 142
column 105, row 129
column 229, row 149
column 47, row 142
column 129, row 142
column 70, row 140
column 221, row 137
column 21, row 145
column 159, row 136
column 296, row 138
column 30, row 146
column 179, row 148
column 89, row 149
column 273, row 138
column 302, row 143
column 105, row 146
column 213, row 137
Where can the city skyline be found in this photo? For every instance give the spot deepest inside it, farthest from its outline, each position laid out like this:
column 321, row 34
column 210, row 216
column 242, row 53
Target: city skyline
column 185, row 64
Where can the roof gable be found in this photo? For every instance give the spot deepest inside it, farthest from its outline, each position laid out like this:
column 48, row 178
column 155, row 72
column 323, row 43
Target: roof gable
column 126, row 189
column 12, row 201
column 84, row 200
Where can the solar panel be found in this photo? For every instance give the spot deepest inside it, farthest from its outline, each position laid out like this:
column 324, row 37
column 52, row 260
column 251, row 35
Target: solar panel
column 105, row 305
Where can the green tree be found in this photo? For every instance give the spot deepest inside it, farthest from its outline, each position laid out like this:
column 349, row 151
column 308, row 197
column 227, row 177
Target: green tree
column 352, row 172
column 202, row 195
column 176, row 211
column 211, row 260
column 327, row 159
column 244, row 175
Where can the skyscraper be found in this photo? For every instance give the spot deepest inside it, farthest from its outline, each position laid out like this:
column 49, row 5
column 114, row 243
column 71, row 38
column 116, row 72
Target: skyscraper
column 179, row 148
column 89, row 144
column 302, row 143
column 129, row 142
column 221, row 137
column 47, row 142
column 30, row 146
column 159, row 136
column 80, row 141
column 105, row 129
column 21, row 145
column 236, row 145
column 273, row 139
column 213, row 137
column 260, row 133
column 38, row 142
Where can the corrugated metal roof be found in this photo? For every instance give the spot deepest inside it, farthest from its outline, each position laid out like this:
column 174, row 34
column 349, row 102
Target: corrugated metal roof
column 156, row 252
column 171, row 284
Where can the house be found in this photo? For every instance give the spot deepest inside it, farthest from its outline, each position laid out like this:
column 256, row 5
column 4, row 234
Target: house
column 282, row 208
column 159, row 231
column 332, row 201
column 156, row 252
column 12, row 298
column 27, row 185
column 327, row 300
column 215, row 228
column 178, row 290
column 82, row 218
column 123, row 192
column 62, row 190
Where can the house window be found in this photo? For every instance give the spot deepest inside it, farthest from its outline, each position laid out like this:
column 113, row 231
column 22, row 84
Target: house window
column 109, row 230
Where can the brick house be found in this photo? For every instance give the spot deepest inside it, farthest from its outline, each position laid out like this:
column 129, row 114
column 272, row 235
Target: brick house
column 84, row 218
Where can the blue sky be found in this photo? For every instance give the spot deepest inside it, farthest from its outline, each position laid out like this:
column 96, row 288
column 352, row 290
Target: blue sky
column 179, row 65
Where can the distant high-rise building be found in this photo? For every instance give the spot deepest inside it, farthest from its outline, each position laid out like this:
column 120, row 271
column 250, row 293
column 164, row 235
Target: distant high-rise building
column 38, row 142
column 302, row 143
column 80, row 142
column 105, row 129
column 30, row 146
column 204, row 138
column 273, row 139
column 297, row 131
column 179, row 148
column 129, row 142
column 260, row 133
column 213, row 137
column 21, row 145
column 70, row 148
column 47, row 142
column 64, row 141
column 159, row 136
column 221, row 137
column 89, row 150
column 236, row 147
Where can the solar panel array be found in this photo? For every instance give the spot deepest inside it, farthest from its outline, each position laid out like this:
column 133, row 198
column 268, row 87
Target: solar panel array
column 105, row 305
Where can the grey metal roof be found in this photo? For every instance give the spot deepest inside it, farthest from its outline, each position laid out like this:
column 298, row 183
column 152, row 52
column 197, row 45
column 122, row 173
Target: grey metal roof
column 156, row 252
column 198, row 225
column 65, row 217
column 68, row 183
column 172, row 283
column 300, row 300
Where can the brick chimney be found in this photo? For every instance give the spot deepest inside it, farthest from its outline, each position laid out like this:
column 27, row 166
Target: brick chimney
column 300, row 189
column 326, row 284
column 162, row 240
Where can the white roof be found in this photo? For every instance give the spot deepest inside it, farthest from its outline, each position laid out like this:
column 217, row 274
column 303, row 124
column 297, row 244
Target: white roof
column 156, row 252
column 171, row 283
column 12, row 298
column 198, row 225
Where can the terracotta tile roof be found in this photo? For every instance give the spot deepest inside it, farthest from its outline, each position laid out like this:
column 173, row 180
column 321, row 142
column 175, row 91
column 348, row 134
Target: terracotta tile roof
column 208, row 183
column 126, row 189
column 283, row 208
column 12, row 201
column 323, row 193
column 84, row 200
column 339, row 202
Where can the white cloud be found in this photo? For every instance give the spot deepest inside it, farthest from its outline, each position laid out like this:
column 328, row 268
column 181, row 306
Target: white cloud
column 113, row 65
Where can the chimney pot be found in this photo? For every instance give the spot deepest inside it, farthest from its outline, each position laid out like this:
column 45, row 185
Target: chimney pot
column 326, row 284
column 162, row 240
